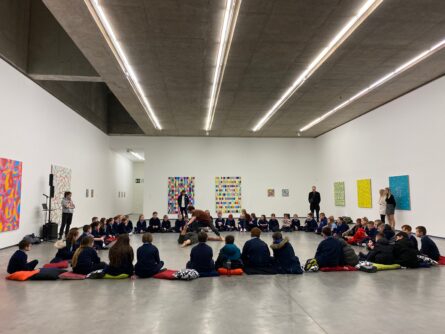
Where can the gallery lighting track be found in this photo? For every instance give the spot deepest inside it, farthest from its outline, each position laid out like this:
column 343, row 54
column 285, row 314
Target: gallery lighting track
column 107, row 31
column 136, row 155
column 406, row 66
column 340, row 37
column 228, row 27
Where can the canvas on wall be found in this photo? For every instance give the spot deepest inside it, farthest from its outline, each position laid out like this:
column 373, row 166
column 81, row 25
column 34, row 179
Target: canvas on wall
column 284, row 192
column 339, row 193
column 10, row 194
column 175, row 185
column 399, row 186
column 228, row 194
column 270, row 192
column 62, row 183
column 364, row 193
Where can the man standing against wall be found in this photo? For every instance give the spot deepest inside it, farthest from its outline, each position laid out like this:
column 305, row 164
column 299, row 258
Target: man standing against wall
column 314, row 201
column 183, row 203
column 67, row 214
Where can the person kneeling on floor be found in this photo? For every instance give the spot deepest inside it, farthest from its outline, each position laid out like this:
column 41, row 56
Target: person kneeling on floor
column 284, row 257
column 19, row 260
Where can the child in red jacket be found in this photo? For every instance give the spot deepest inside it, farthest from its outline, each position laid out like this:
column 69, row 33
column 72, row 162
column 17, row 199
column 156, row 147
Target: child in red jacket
column 358, row 236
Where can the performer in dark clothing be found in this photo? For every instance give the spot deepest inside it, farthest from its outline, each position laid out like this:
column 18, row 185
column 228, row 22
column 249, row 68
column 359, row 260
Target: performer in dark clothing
column 314, row 201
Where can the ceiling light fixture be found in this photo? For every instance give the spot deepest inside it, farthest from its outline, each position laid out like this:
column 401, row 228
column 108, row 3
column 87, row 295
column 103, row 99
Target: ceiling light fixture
column 342, row 35
column 104, row 25
column 228, row 27
column 136, row 155
column 406, row 66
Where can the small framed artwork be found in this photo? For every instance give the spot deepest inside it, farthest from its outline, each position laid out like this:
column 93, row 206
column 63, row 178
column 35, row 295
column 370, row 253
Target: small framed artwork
column 87, row 193
column 119, row 194
column 124, row 194
column 270, row 192
column 285, row 192
column 92, row 193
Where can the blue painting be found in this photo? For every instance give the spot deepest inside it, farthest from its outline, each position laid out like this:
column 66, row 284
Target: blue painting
column 399, row 186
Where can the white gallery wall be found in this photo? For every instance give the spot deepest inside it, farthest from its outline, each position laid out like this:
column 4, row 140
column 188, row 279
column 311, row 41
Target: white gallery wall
column 403, row 137
column 261, row 163
column 39, row 130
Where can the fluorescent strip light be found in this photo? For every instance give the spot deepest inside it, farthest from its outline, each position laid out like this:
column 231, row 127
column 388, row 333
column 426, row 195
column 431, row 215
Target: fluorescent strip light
column 136, row 155
column 228, row 27
column 104, row 25
column 406, row 66
column 333, row 45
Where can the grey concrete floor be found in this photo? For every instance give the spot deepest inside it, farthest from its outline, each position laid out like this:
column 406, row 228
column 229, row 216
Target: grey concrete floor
column 403, row 301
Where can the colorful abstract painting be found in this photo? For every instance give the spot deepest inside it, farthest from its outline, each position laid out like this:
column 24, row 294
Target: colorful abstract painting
column 364, row 193
column 399, row 186
column 228, row 194
column 175, row 185
column 62, row 183
column 339, row 193
column 10, row 194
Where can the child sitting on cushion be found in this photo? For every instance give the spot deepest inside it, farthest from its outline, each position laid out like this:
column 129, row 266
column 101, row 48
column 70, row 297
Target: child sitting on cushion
column 323, row 222
column 121, row 257
column 19, row 260
column 148, row 261
column 256, row 255
column 263, row 224
column 330, row 251
column 427, row 246
column 201, row 256
column 408, row 230
column 230, row 252
column 349, row 256
column 284, row 257
column 287, row 224
column 85, row 258
column 274, row 225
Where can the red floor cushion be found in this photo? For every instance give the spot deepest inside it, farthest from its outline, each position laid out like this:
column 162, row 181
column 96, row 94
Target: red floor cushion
column 72, row 276
column 58, row 265
column 441, row 260
column 338, row 268
column 22, row 275
column 233, row 272
column 166, row 274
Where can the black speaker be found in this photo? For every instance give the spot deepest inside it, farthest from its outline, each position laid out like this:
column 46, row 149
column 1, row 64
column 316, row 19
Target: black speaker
column 51, row 191
column 50, row 231
column 51, row 180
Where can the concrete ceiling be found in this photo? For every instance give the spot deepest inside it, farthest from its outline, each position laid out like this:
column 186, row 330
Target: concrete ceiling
column 172, row 46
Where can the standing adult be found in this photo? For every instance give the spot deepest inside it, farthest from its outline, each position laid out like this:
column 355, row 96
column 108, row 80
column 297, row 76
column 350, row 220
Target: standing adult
column 201, row 219
column 390, row 208
column 314, row 201
column 382, row 205
column 183, row 203
column 67, row 214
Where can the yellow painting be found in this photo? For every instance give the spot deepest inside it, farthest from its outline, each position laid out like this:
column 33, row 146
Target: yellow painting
column 364, row 193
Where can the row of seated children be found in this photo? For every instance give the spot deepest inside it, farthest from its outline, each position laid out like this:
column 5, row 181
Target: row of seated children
column 155, row 225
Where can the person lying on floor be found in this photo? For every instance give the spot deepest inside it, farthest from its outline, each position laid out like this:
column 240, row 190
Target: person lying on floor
column 230, row 255
column 404, row 252
column 85, row 258
column 350, row 258
column 427, row 246
column 330, row 251
column 284, row 258
column 19, row 260
column 148, row 261
column 187, row 238
column 121, row 257
column 380, row 251
column 256, row 255
column 66, row 248
column 201, row 256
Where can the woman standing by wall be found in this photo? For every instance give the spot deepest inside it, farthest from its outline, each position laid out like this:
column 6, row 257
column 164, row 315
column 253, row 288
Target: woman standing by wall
column 390, row 207
column 382, row 205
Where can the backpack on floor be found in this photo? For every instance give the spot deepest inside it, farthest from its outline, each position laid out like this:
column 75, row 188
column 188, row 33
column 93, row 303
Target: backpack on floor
column 366, row 266
column 32, row 239
column 311, row 265
column 186, row 274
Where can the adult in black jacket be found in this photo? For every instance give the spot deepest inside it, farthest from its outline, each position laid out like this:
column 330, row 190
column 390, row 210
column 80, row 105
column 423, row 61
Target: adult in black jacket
column 314, row 199
column 183, row 203
column 256, row 255
column 404, row 252
column 148, row 260
column 284, row 257
column 390, row 207
column 381, row 251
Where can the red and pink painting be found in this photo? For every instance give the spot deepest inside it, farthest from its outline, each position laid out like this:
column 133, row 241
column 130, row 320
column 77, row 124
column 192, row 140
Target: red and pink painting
column 10, row 194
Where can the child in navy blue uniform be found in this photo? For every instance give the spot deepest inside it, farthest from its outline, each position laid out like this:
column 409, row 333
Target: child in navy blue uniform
column 256, row 255
column 116, row 224
column 220, row 222
column 109, row 231
column 166, row 225
column 201, row 256
column 19, row 260
column 371, row 232
column 310, row 225
column 179, row 223
column 148, row 260
column 427, row 246
column 330, row 251
column 253, row 222
column 296, row 223
column 102, row 223
column 128, row 225
column 85, row 259
column 387, row 230
column 230, row 255
column 342, row 228
column 141, row 225
column 242, row 222
column 121, row 257
column 274, row 225
column 230, row 223
column 263, row 224
column 154, row 224
column 67, row 248
column 323, row 222
column 286, row 226
column 284, row 257
column 408, row 230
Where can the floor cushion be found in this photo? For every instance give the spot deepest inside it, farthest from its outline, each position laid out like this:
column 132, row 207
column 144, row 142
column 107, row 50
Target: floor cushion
column 166, row 274
column 209, row 274
column 232, row 272
column 47, row 274
column 441, row 260
column 386, row 266
column 338, row 268
column 72, row 276
column 121, row 276
column 59, row 265
column 22, row 275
